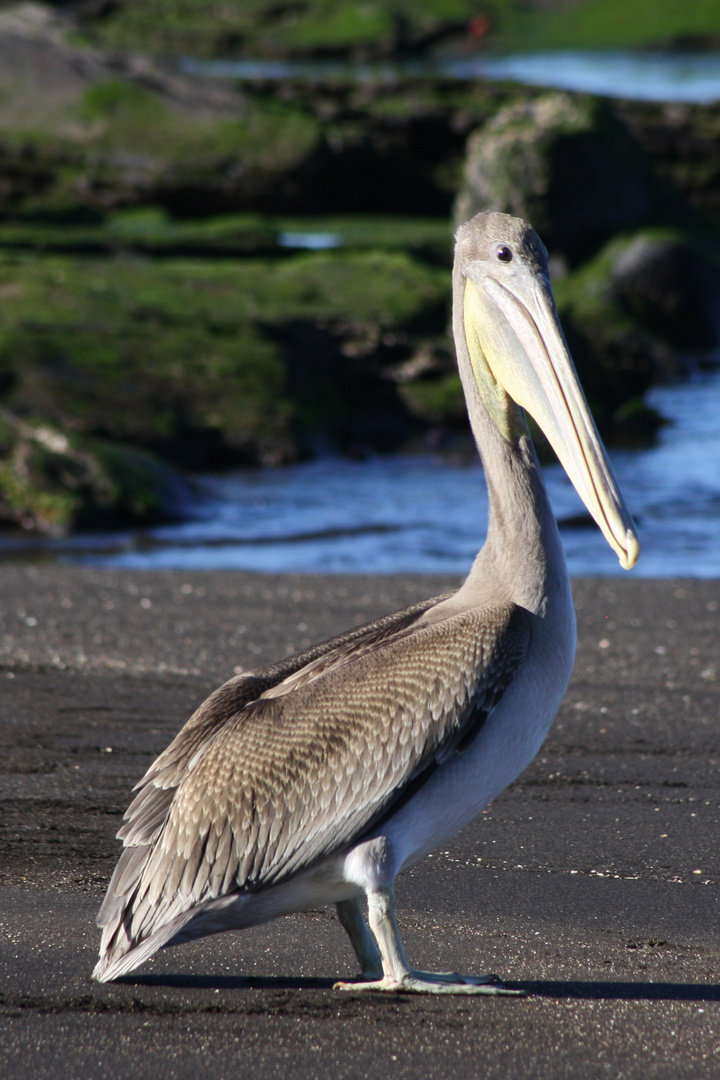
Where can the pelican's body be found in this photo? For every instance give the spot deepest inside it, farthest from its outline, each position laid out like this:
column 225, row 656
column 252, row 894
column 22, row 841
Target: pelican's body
column 318, row 780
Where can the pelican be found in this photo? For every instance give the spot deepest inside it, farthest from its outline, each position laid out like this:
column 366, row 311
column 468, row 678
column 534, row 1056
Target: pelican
column 317, row 780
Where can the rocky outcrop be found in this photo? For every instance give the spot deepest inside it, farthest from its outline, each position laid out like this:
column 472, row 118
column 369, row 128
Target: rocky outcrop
column 51, row 482
column 671, row 286
column 643, row 311
column 141, row 326
column 48, row 74
column 568, row 164
column 637, row 268
column 113, row 128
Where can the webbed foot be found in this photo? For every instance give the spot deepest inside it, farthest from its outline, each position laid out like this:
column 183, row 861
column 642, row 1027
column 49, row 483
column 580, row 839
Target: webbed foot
column 432, row 982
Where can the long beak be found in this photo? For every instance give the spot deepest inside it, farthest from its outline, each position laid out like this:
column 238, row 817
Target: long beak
column 517, row 328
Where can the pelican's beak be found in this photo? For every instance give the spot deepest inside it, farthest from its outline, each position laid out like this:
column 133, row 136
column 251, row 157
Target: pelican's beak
column 511, row 318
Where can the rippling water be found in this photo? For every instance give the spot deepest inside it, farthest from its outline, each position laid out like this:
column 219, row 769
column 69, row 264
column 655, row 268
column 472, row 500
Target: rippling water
column 413, row 514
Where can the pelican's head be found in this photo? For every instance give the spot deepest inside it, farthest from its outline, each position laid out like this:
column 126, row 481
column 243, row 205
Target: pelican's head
column 517, row 350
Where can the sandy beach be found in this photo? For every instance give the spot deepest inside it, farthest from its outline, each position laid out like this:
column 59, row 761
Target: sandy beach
column 593, row 882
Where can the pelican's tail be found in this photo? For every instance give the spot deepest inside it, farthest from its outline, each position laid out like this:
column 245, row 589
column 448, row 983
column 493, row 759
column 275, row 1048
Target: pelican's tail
column 120, row 955
column 130, row 930
column 134, row 924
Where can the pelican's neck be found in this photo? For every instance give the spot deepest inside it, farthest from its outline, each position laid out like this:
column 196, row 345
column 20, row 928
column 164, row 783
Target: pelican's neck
column 523, row 551
column 522, row 558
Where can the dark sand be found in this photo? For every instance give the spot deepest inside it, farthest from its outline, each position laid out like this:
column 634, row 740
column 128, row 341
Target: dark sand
column 593, row 882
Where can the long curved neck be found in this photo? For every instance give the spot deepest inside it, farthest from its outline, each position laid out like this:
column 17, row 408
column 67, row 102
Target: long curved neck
column 523, row 551
column 522, row 558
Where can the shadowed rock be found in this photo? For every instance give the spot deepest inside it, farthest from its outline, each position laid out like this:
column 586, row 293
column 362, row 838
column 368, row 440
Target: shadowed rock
column 566, row 163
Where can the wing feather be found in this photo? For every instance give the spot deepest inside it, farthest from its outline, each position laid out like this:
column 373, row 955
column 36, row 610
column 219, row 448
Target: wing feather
column 290, row 767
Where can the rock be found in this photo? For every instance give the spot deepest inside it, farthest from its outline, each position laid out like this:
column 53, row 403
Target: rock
column 671, row 288
column 683, row 141
column 633, row 317
column 47, row 73
column 84, row 128
column 567, row 164
column 51, row 482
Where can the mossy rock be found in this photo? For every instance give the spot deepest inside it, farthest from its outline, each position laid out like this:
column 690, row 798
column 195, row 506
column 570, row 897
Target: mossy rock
column 670, row 284
column 102, row 132
column 565, row 163
column 162, row 360
column 51, row 483
column 635, row 316
column 214, row 364
column 83, row 128
column 376, row 28
column 617, row 360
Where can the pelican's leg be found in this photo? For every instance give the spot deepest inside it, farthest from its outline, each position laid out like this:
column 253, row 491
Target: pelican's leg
column 398, row 976
column 350, row 914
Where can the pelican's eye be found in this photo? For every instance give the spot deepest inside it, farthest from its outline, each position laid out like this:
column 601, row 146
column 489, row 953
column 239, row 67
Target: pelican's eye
column 504, row 253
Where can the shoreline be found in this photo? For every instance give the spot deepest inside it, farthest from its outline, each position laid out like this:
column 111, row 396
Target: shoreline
column 210, row 622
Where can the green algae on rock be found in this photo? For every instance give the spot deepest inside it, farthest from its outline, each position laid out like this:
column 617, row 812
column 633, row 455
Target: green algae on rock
column 51, row 483
column 638, row 314
column 209, row 363
column 566, row 163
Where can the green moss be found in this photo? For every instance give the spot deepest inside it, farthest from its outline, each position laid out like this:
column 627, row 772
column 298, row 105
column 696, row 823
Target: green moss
column 178, row 26
column 340, row 26
column 122, row 117
column 119, row 101
column 51, row 483
column 150, row 230
column 188, row 357
column 264, row 28
column 141, row 353
column 597, row 24
column 436, row 401
column 366, row 287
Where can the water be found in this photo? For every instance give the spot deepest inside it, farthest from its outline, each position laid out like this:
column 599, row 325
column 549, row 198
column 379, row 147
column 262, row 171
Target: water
column 691, row 77
column 311, row 241
column 641, row 76
column 414, row 514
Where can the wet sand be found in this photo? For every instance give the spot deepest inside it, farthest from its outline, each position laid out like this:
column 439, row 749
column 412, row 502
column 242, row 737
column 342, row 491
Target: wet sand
column 593, row 882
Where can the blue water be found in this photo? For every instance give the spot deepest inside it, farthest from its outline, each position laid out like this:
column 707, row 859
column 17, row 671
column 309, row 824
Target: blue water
column 641, row 76
column 426, row 513
column 691, row 77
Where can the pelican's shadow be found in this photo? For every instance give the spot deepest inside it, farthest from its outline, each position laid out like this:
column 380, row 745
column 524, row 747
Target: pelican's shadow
column 227, row 982
column 592, row 991
column 620, row 991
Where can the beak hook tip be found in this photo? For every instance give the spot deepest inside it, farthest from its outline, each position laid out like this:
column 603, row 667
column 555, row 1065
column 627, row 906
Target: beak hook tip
column 630, row 551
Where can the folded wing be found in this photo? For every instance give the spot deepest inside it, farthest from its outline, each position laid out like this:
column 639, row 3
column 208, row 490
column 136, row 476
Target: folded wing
column 280, row 769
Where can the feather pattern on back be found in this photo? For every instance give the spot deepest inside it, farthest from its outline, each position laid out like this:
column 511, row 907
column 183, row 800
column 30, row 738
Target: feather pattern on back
column 280, row 768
